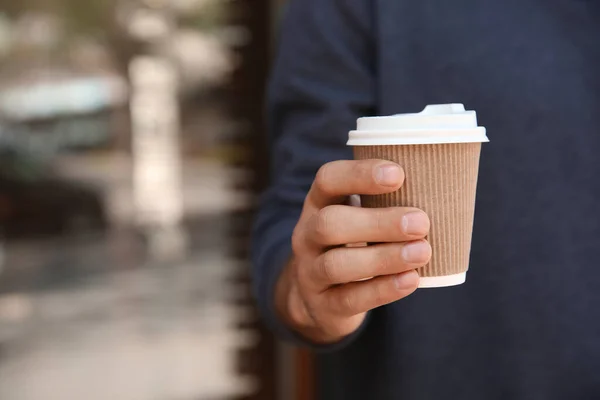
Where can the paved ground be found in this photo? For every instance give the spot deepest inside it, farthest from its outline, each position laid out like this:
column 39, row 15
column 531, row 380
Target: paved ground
column 81, row 321
column 92, row 318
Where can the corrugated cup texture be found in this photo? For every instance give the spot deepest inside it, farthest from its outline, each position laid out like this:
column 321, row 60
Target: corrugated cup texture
column 441, row 179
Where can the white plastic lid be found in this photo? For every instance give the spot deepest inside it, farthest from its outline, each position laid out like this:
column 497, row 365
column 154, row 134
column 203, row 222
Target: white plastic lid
column 436, row 124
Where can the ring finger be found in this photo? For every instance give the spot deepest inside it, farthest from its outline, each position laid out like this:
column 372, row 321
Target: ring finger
column 339, row 225
column 344, row 264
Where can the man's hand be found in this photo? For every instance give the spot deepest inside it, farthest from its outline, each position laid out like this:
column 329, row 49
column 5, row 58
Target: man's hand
column 326, row 289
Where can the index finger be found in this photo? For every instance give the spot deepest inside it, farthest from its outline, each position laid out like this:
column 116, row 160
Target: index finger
column 339, row 179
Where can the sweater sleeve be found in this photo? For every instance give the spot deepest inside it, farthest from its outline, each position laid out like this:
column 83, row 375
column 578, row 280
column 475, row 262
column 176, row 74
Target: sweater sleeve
column 323, row 79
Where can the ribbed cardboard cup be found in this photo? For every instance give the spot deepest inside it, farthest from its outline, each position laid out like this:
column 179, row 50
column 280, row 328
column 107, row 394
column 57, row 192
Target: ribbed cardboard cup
column 441, row 178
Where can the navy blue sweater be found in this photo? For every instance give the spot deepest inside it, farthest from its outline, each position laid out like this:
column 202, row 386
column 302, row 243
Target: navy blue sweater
column 526, row 325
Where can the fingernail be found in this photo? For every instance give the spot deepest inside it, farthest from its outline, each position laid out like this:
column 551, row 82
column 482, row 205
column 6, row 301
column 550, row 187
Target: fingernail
column 407, row 280
column 388, row 175
column 415, row 223
column 417, row 252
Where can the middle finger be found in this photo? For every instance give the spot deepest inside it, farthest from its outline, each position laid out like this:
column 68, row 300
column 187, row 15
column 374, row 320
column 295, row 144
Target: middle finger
column 339, row 225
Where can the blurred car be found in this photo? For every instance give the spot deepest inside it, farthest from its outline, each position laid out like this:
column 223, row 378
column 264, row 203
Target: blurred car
column 36, row 203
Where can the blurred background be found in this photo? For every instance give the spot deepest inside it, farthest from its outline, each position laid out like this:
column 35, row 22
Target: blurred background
column 131, row 153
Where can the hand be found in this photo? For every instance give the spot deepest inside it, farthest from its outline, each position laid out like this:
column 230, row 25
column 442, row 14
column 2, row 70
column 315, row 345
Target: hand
column 327, row 287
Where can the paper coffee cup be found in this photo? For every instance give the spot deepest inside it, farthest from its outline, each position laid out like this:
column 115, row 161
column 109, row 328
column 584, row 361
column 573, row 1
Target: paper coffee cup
column 439, row 150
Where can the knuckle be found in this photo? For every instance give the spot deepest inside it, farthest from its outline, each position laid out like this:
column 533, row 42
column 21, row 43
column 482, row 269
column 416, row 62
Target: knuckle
column 362, row 169
column 324, row 223
column 348, row 303
column 328, row 266
column 299, row 315
column 379, row 217
column 298, row 311
column 379, row 294
column 364, row 172
column 297, row 241
column 384, row 261
column 301, row 274
column 322, row 179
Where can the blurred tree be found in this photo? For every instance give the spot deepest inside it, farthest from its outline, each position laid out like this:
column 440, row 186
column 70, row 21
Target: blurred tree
column 79, row 19
column 13, row 8
column 93, row 18
column 98, row 19
column 206, row 15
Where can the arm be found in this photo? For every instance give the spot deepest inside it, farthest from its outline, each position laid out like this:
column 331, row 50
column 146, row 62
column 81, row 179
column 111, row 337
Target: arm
column 321, row 82
column 310, row 286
